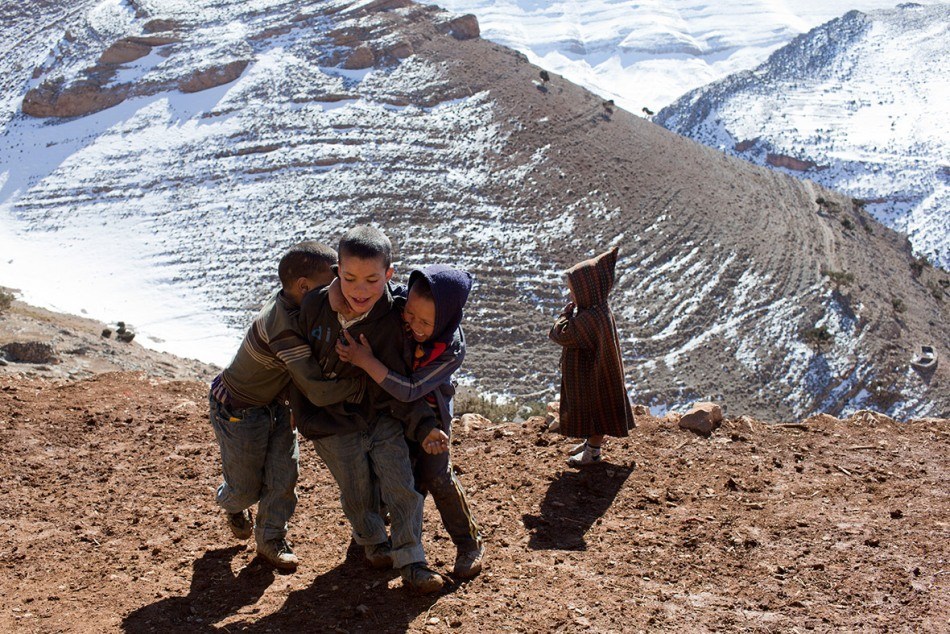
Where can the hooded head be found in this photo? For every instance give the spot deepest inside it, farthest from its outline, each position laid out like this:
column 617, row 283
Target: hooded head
column 449, row 289
column 592, row 280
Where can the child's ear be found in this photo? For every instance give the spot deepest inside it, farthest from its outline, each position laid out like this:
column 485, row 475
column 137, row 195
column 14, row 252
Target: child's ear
column 389, row 273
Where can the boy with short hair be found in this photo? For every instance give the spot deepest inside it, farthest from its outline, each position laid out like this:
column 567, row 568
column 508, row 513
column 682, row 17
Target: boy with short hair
column 362, row 443
column 250, row 413
column 432, row 313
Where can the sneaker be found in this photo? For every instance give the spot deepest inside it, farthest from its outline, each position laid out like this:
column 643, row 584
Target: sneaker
column 577, row 448
column 468, row 563
column 241, row 524
column 278, row 553
column 421, row 579
column 582, row 459
column 379, row 556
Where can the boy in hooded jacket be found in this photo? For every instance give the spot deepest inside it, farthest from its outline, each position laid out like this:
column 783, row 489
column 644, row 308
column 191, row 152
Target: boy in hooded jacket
column 432, row 315
column 594, row 400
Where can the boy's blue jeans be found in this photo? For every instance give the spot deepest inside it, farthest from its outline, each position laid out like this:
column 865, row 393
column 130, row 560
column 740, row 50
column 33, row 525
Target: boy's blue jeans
column 260, row 460
column 358, row 461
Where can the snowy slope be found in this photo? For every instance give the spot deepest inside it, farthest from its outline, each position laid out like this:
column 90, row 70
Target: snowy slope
column 240, row 130
column 863, row 99
column 647, row 54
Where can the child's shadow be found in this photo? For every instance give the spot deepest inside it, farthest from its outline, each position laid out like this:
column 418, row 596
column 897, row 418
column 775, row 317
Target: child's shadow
column 214, row 594
column 572, row 504
column 348, row 598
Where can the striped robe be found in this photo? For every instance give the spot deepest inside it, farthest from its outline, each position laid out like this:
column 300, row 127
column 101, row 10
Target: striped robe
column 593, row 395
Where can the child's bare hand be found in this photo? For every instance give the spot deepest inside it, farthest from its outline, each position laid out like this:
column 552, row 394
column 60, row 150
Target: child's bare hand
column 569, row 308
column 356, row 352
column 436, row 442
column 337, row 301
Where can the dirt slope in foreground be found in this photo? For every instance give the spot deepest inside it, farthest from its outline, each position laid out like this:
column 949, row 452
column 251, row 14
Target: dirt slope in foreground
column 108, row 524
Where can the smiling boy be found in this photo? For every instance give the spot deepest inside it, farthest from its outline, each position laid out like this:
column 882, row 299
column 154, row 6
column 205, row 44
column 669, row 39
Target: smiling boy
column 362, row 441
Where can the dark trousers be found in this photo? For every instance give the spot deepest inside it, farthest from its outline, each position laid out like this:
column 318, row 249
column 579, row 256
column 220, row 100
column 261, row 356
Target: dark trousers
column 434, row 475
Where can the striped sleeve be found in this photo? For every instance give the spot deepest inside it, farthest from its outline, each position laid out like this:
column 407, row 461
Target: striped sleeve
column 425, row 379
column 306, row 373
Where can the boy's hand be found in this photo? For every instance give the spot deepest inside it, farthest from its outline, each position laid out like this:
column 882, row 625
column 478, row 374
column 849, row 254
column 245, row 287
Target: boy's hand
column 569, row 309
column 356, row 352
column 338, row 302
column 436, row 442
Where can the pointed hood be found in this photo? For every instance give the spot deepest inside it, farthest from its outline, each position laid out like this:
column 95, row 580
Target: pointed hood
column 593, row 279
column 450, row 289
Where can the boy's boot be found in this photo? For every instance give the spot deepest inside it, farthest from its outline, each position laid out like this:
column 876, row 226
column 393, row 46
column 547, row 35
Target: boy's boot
column 241, row 524
column 279, row 554
column 379, row 556
column 468, row 563
column 421, row 579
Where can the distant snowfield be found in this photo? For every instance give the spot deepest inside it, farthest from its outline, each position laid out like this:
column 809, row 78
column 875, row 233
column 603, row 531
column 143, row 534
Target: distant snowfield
column 647, row 54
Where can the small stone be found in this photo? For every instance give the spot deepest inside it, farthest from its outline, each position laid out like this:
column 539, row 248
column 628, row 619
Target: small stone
column 106, row 332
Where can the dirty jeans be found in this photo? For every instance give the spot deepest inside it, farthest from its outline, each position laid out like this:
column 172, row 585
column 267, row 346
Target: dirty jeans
column 434, row 474
column 260, row 460
column 361, row 460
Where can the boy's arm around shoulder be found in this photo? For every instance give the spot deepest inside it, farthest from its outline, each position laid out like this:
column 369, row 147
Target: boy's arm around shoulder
column 304, row 368
column 575, row 329
column 427, row 378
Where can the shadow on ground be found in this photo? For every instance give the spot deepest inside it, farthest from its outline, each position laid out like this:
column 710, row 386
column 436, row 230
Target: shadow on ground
column 572, row 504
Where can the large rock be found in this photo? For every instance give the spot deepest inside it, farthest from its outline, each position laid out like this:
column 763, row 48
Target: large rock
column 464, row 27
column 703, row 418
column 212, row 77
column 29, row 352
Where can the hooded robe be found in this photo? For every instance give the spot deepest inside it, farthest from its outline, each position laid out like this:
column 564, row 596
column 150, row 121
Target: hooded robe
column 593, row 395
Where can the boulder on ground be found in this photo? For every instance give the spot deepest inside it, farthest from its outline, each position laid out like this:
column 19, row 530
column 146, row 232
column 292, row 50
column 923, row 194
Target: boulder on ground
column 702, row 419
column 29, row 352
column 474, row 421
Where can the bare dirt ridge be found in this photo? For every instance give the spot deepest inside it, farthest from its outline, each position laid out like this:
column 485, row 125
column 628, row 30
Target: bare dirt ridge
column 108, row 521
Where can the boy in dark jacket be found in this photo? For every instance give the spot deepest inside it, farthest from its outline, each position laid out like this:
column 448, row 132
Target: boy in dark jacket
column 594, row 400
column 432, row 316
column 362, row 442
column 251, row 420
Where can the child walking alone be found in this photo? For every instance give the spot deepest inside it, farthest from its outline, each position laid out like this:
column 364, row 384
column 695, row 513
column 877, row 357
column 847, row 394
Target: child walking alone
column 594, row 400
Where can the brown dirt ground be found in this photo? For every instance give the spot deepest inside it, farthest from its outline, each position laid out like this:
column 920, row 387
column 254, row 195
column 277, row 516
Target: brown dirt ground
column 108, row 523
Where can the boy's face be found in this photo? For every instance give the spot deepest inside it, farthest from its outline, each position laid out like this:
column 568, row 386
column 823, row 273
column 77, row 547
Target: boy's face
column 363, row 282
column 419, row 315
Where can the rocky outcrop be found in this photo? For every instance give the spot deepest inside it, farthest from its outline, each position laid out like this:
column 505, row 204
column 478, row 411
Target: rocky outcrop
column 81, row 97
column 790, row 162
column 464, row 27
column 212, row 77
column 361, row 57
column 160, row 25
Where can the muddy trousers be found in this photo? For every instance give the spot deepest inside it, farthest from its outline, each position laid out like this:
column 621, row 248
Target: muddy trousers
column 373, row 464
column 260, row 463
column 434, row 474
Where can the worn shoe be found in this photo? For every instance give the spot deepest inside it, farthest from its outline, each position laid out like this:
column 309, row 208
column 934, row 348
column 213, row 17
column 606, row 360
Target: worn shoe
column 421, row 579
column 241, row 524
column 468, row 563
column 577, row 448
column 379, row 556
column 279, row 554
column 584, row 458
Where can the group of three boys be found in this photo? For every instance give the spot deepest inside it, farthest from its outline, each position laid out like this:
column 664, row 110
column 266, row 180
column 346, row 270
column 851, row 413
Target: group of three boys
column 363, row 368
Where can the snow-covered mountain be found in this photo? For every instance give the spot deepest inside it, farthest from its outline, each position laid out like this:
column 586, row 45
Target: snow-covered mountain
column 157, row 156
column 647, row 54
column 858, row 105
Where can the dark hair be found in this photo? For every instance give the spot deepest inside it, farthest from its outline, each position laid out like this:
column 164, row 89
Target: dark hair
column 367, row 243
column 305, row 260
column 420, row 285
